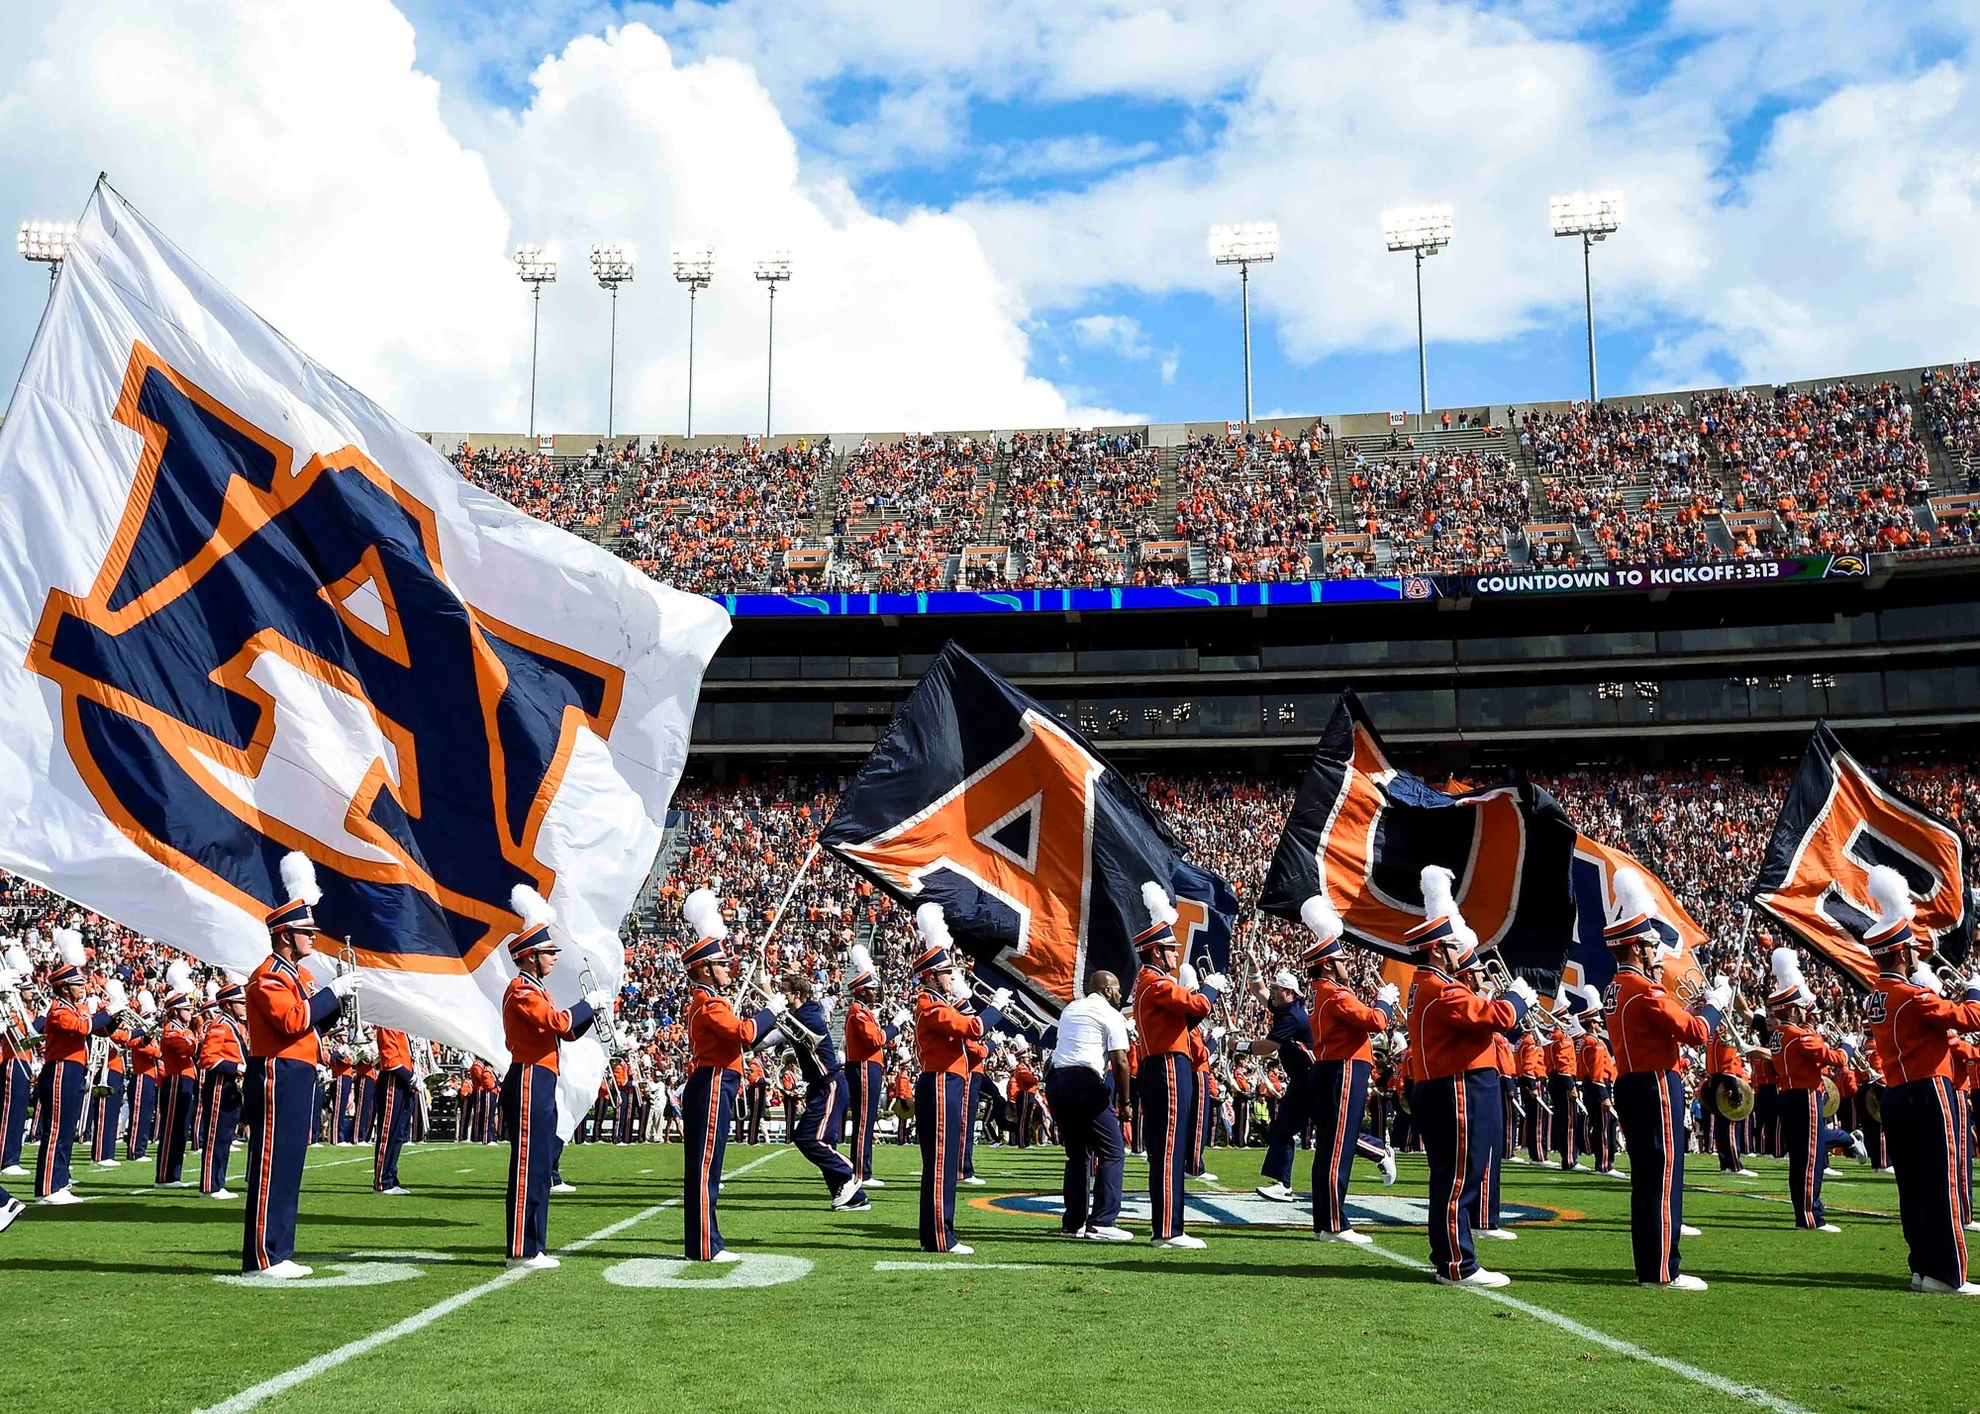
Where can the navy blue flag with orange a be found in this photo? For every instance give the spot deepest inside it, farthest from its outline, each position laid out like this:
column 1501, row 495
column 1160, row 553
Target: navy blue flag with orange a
column 980, row 799
column 1363, row 830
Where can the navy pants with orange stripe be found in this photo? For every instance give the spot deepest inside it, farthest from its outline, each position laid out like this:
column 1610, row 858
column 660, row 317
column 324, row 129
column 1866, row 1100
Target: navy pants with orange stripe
column 220, row 1110
column 175, row 1107
column 106, row 1112
column 1560, row 1094
column 972, row 1107
column 1921, row 1125
column 940, row 1099
column 16, row 1095
column 61, row 1098
column 818, row 1128
column 395, row 1107
column 1801, row 1129
column 142, row 1093
column 708, row 1107
column 1650, row 1108
column 1199, row 1100
column 1340, row 1094
column 529, row 1105
column 1166, row 1085
column 1459, row 1119
column 864, row 1081
column 1288, row 1123
column 278, row 1095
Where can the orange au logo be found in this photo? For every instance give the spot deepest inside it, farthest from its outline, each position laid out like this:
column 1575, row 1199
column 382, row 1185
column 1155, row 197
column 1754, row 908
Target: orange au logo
column 271, row 656
column 1020, row 829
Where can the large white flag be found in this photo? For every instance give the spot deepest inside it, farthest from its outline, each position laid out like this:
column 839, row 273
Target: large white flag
column 243, row 611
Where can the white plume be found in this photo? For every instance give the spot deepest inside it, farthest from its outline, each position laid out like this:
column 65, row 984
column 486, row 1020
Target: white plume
column 1891, row 894
column 703, row 913
column 1591, row 1000
column 1785, row 964
column 212, row 990
column 113, row 991
column 299, row 878
column 530, row 906
column 1156, row 898
column 17, row 960
column 861, row 960
column 1440, row 902
column 146, row 1003
column 69, row 946
column 179, row 977
column 933, row 926
column 1318, row 914
column 1633, row 895
column 236, row 979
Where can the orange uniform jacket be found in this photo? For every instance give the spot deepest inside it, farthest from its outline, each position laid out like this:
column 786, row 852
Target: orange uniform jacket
column 1163, row 1011
column 1560, row 1054
column 866, row 1039
column 1343, row 1023
column 1502, row 1054
column 220, row 1044
column 176, row 1049
column 1024, row 1079
column 284, row 1011
column 1451, row 1027
column 1648, row 1025
column 717, row 1037
column 394, row 1050
column 942, row 1032
column 1723, row 1057
column 144, row 1056
column 68, row 1028
column 1802, row 1055
column 1530, row 1058
column 532, row 1025
column 1763, row 1071
column 1909, row 1026
column 1595, row 1065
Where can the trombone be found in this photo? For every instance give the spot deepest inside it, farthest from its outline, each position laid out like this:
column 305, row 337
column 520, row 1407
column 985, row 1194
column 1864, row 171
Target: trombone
column 1018, row 1011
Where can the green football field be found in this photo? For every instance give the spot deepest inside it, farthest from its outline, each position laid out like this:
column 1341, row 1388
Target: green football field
column 119, row 1304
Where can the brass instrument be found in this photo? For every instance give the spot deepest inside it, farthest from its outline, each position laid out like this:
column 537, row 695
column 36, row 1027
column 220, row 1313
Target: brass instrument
column 350, row 1022
column 1831, row 1098
column 1733, row 1098
column 1018, row 1011
column 1952, row 982
column 1537, row 1021
column 605, row 1026
column 98, row 1061
column 17, row 1022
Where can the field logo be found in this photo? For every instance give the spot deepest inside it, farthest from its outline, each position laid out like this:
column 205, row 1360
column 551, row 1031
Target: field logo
column 271, row 657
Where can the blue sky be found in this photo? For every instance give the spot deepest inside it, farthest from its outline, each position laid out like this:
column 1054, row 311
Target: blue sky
column 1037, row 177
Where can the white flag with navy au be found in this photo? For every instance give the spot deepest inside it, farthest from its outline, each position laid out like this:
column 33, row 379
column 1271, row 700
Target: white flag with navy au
column 245, row 612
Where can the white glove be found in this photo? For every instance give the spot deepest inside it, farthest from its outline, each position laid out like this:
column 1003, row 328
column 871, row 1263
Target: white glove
column 1217, row 982
column 8, row 980
column 345, row 984
column 599, row 999
column 1523, row 989
column 1719, row 996
column 1000, row 998
column 1187, row 976
column 1973, row 982
column 1390, row 993
column 901, row 1017
column 778, row 1004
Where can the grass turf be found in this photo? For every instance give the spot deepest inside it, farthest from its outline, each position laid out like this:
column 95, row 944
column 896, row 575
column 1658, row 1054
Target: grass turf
column 114, row 1303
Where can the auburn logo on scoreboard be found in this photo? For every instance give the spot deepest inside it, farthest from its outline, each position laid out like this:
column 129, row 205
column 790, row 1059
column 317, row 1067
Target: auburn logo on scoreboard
column 1837, row 822
column 271, row 657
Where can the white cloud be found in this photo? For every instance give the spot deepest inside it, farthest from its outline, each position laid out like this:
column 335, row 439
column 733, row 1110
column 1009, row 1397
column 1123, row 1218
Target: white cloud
column 1118, row 334
column 298, row 152
column 1061, row 156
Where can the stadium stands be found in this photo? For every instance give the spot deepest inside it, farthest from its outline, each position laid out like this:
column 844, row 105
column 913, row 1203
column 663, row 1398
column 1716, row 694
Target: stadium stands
column 1884, row 464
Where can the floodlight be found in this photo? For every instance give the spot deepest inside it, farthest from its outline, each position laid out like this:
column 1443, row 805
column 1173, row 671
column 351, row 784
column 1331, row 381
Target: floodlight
column 694, row 266
column 45, row 241
column 1594, row 214
column 1422, row 229
column 536, row 264
column 773, row 269
column 612, row 264
column 1245, row 243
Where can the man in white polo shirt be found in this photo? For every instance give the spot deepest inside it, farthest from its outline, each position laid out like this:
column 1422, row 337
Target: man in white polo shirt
column 1089, row 1069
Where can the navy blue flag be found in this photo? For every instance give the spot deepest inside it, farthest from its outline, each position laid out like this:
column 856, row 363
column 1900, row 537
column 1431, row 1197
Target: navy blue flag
column 1363, row 830
column 980, row 799
column 1206, row 916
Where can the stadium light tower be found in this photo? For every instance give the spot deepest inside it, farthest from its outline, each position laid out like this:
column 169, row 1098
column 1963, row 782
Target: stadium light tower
column 1594, row 216
column 694, row 266
column 46, row 242
column 537, row 265
column 1423, row 231
column 1244, row 245
column 773, row 270
column 612, row 266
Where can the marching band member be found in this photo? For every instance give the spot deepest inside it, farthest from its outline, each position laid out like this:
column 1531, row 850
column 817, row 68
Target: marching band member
column 717, row 1038
column 16, row 1083
column 979, row 1089
column 942, row 1031
column 1910, row 1029
column 1800, row 1056
column 532, row 1025
column 141, row 1090
column 1503, row 1142
column 107, row 1108
column 1530, row 1076
column 283, row 1012
column 395, row 1108
column 816, row 1132
column 1343, row 1028
column 1456, row 1102
column 222, row 1054
column 178, row 1055
column 1595, row 1069
column 866, row 1050
column 1201, row 1101
column 1084, row 1080
column 67, row 1029
column 1290, row 1038
column 1649, row 1028
column 1724, row 1066
column 1168, row 1000
column 1561, row 1091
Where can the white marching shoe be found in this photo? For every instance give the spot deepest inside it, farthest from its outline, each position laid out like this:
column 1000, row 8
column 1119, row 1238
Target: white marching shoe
column 1932, row 1286
column 394, row 1192
column 848, row 1193
column 14, row 1171
column 1497, row 1234
column 1515, row 1158
column 287, row 1270
column 1346, row 1234
column 541, row 1262
column 961, row 1249
column 10, row 1210
column 62, row 1197
column 1827, row 1227
column 1388, row 1166
column 222, row 1194
column 563, row 1188
column 1581, row 1168
column 1830, row 1173
column 1974, row 1225
column 1744, row 1173
column 1684, row 1281
column 1181, row 1241
column 1481, row 1277
column 1108, row 1234
column 727, row 1255
column 1277, row 1192
column 1687, row 1230
column 107, row 1164
column 874, row 1182
column 974, row 1182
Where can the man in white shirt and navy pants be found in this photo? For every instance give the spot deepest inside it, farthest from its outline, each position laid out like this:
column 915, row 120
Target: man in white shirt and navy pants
column 1089, row 1071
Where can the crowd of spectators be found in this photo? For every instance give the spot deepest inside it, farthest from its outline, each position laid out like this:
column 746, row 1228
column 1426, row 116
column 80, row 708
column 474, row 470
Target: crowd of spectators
column 1457, row 511
column 1257, row 506
column 1636, row 479
column 906, row 507
column 1075, row 507
column 713, row 519
column 576, row 499
column 1951, row 403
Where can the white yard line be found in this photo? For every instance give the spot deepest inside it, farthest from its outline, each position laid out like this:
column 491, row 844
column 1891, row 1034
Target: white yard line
column 331, row 1359
column 1752, row 1394
column 955, row 1266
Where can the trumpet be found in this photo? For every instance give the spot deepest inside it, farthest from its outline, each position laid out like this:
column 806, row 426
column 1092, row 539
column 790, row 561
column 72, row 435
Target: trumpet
column 1952, row 982
column 1536, row 1021
column 1018, row 1011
